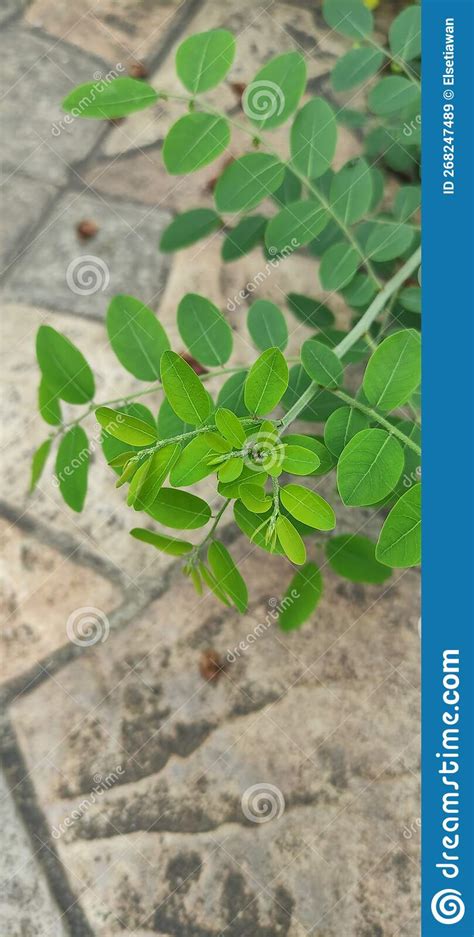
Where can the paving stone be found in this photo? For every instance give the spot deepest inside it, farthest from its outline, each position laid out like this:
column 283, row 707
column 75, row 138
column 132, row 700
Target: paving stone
column 27, row 908
column 61, row 271
column 105, row 522
column 24, row 202
column 40, row 72
column 152, row 822
column 41, row 590
column 11, row 8
column 117, row 30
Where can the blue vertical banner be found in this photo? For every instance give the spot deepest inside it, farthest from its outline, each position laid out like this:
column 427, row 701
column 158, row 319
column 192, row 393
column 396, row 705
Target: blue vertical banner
column 448, row 475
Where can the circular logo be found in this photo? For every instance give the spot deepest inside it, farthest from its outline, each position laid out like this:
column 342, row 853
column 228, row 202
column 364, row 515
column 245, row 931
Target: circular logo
column 263, row 99
column 447, row 906
column 87, row 274
column 263, row 452
column 87, row 625
column 262, row 802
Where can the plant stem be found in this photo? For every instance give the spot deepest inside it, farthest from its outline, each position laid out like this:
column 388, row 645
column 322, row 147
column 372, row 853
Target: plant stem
column 341, row 224
column 194, row 555
column 364, row 323
column 393, row 58
column 376, row 417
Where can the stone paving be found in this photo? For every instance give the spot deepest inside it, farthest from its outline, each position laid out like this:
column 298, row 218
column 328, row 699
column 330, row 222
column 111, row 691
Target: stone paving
column 123, row 768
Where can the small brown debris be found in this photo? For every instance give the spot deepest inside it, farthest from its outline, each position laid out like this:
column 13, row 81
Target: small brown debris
column 116, row 121
column 210, row 186
column 195, row 365
column 138, row 70
column 211, row 665
column 87, row 229
column 238, row 87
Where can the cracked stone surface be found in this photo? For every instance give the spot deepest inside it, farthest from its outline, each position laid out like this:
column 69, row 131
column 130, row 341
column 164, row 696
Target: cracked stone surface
column 39, row 72
column 27, row 908
column 137, row 768
column 165, row 844
column 41, row 590
column 61, row 271
column 24, row 201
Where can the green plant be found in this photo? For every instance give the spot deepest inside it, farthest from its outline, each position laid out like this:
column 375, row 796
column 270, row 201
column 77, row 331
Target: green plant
column 369, row 254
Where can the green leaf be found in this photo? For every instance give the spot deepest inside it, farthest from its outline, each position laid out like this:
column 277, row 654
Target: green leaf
column 244, row 237
column 294, row 226
column 136, row 336
column 341, row 426
column 48, row 404
column 230, row 427
column 394, row 370
column 187, row 396
column 349, row 17
column 266, row 382
column 351, row 191
column 250, row 475
column 360, row 292
column 114, row 450
column 152, row 475
column 299, row 460
column 194, row 141
column 407, row 202
column 211, row 583
column 307, row 506
column 169, row 424
column 322, row 404
column 405, row 34
column 231, row 394
column 254, row 498
column 322, row 365
column 127, row 428
column 290, row 189
column 203, row 60
column 392, row 95
column 291, row 541
column 313, row 138
column 275, row 91
column 107, row 100
column 169, row 545
column 315, row 444
column 310, row 311
column 353, row 557
column 204, row 330
column 399, row 543
column 248, row 180
column 301, row 598
column 72, row 464
column 410, row 298
column 231, row 470
column 188, row 228
column 193, row 463
column 227, row 575
column 38, row 462
column 355, row 66
column 179, row 509
column 267, row 325
column 63, row 366
column 369, row 467
column 387, row 241
column 338, row 266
